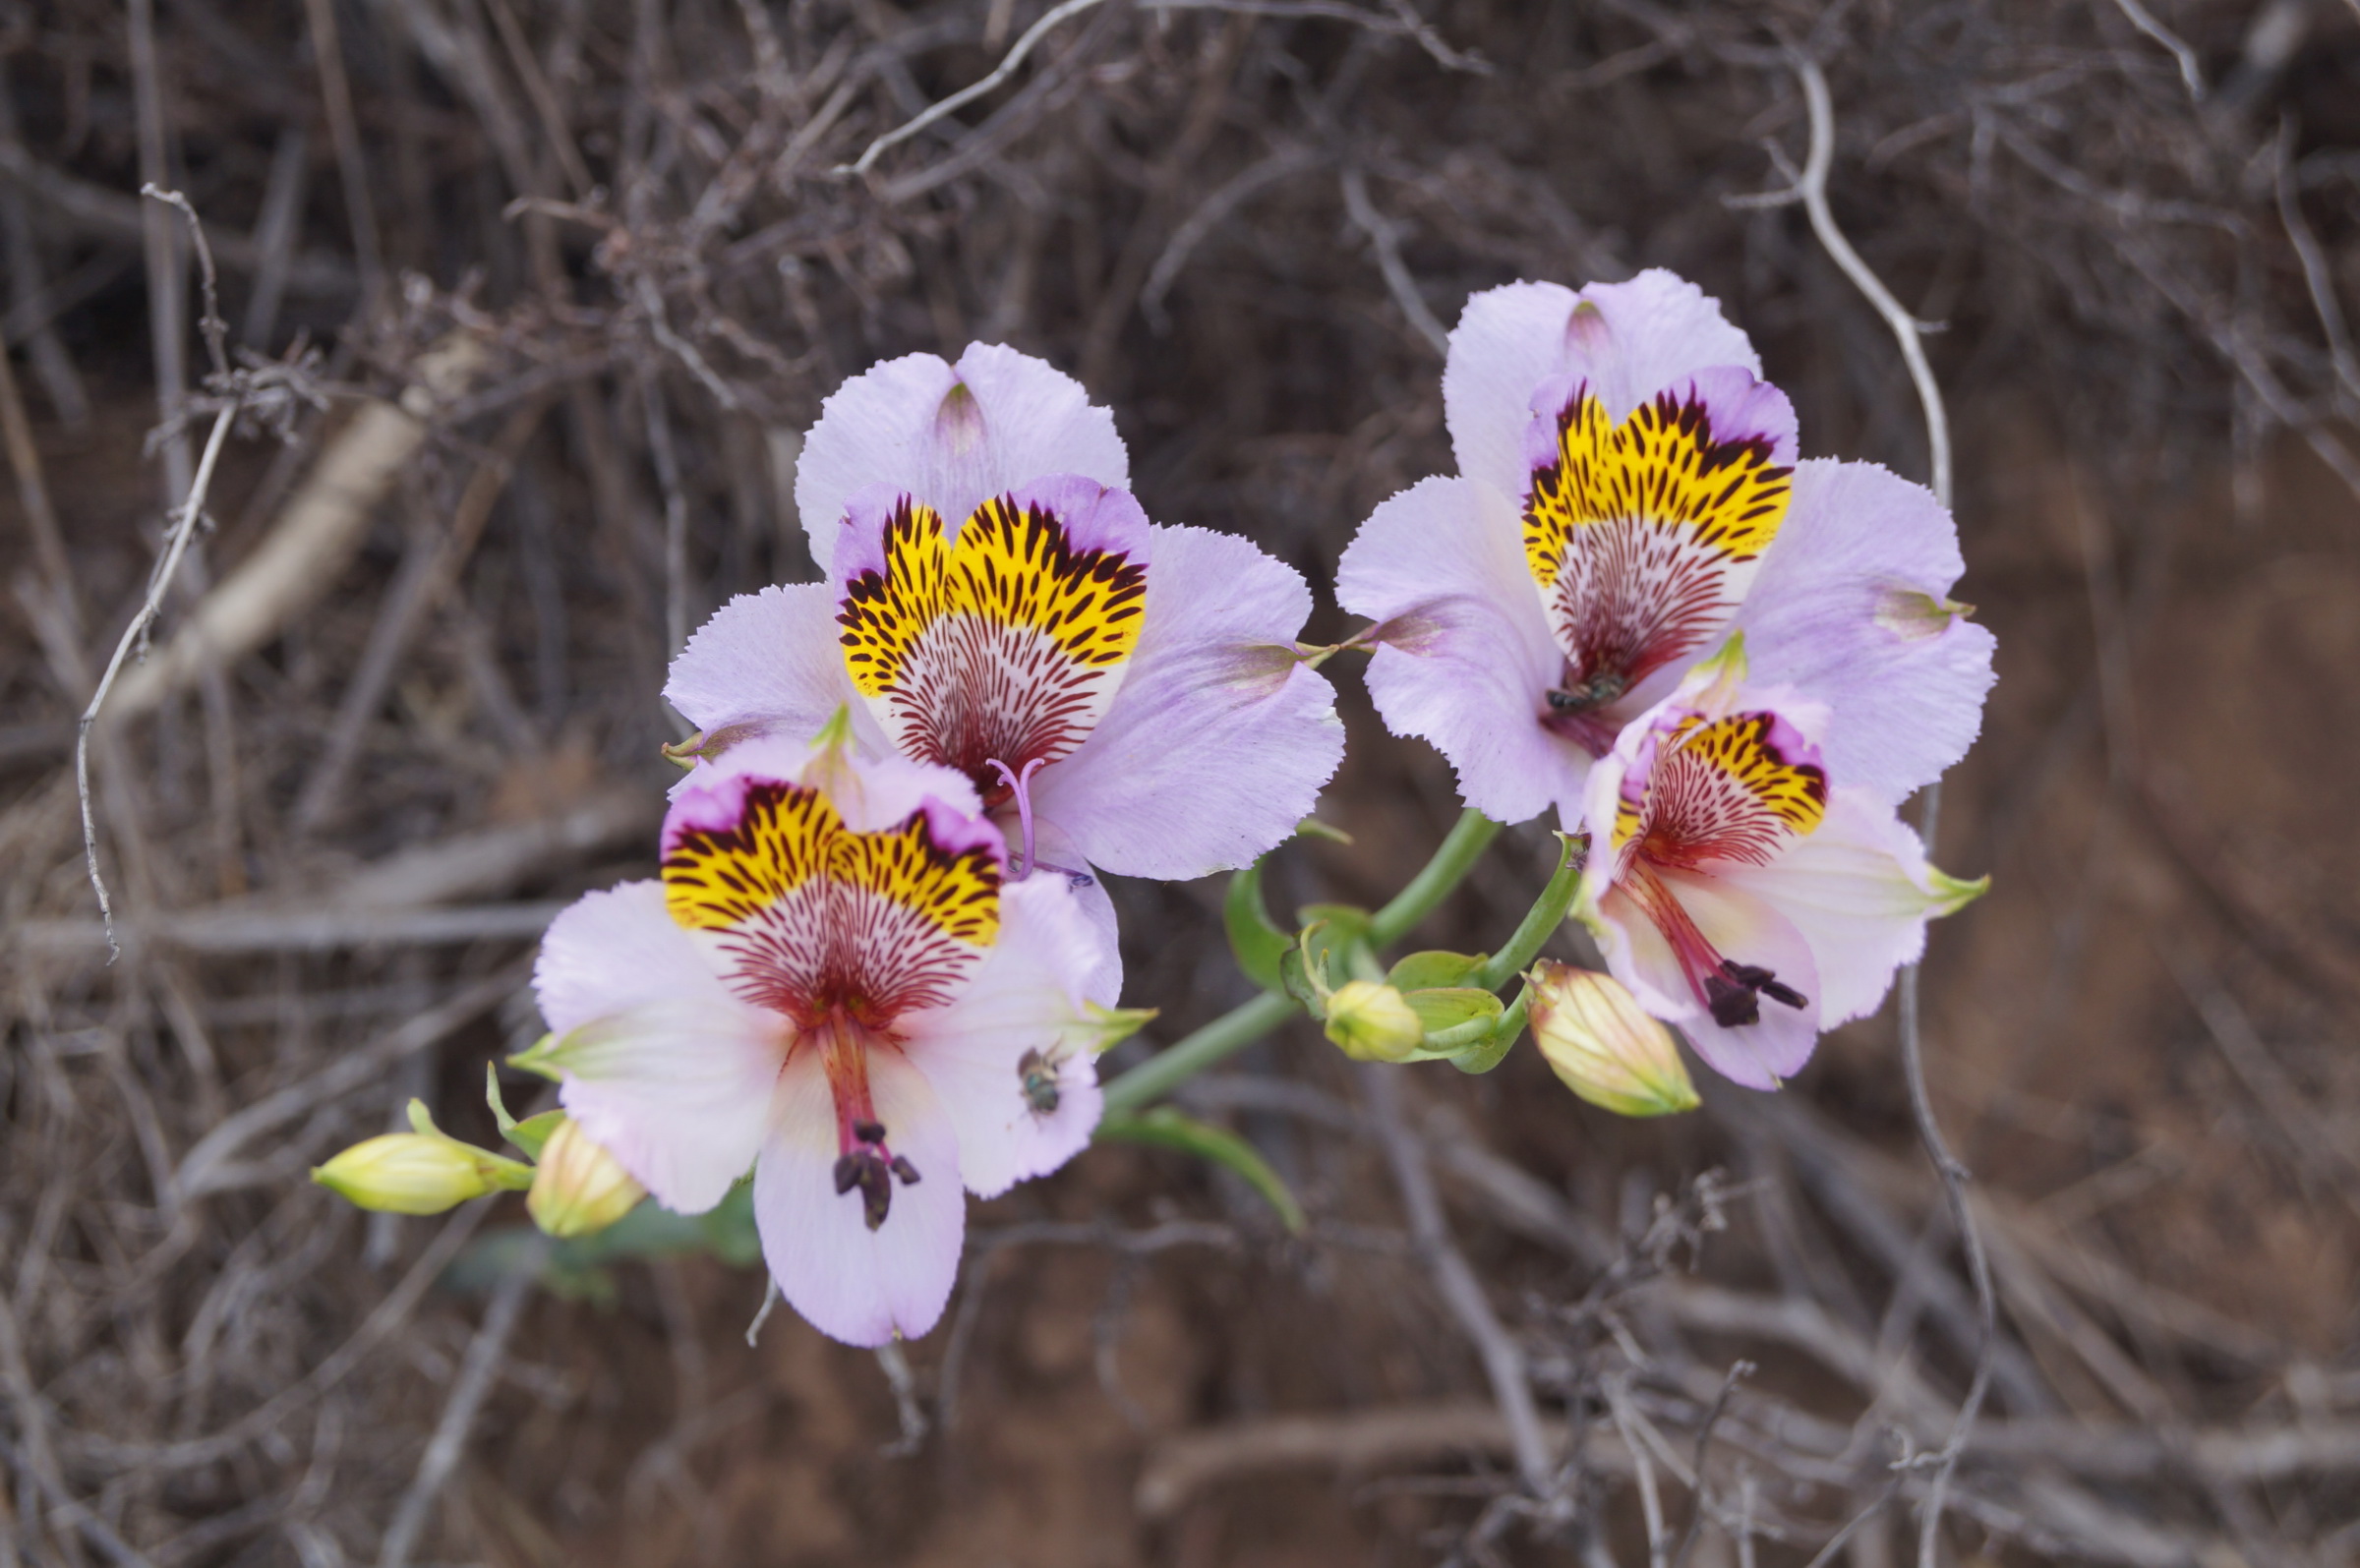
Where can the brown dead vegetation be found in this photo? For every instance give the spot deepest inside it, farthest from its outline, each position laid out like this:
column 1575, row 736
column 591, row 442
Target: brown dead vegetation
column 538, row 296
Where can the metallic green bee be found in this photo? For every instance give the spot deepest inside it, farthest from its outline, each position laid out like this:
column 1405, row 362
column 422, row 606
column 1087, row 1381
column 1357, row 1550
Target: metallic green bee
column 1039, row 1075
column 1595, row 692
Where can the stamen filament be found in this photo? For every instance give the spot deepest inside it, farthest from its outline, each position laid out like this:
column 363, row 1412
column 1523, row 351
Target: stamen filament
column 864, row 1162
column 1729, row 991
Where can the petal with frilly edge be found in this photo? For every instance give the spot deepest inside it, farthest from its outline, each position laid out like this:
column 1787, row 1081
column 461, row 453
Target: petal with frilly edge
column 1861, row 892
column 1740, row 926
column 1464, row 658
column 660, row 1063
column 1022, row 1100
column 1627, row 339
column 1852, row 606
column 1220, row 739
column 768, row 664
column 860, row 1286
column 951, row 434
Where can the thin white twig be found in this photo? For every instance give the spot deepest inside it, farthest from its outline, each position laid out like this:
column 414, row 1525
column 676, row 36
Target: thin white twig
column 2145, row 21
column 1384, row 236
column 1461, row 1292
column 1651, row 1503
column 770, row 1299
column 176, row 545
column 479, row 1369
column 1907, row 328
column 1908, row 331
column 968, row 95
column 2318, row 275
column 1403, row 23
column 911, row 1415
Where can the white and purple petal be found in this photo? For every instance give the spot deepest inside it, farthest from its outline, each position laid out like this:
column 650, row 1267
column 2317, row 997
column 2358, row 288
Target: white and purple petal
column 1005, row 645
column 1464, row 658
column 1627, row 339
column 1220, row 739
column 950, row 435
column 661, row 1063
column 1852, row 606
column 1012, row 1018
column 768, row 664
column 859, row 1285
column 1861, row 892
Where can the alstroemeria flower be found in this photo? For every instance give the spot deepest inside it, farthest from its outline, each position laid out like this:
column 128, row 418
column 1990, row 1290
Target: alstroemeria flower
column 1628, row 494
column 1122, row 694
column 1738, row 885
column 836, row 985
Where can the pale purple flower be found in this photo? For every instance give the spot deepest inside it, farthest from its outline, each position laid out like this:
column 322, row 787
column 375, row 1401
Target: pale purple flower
column 1123, row 695
column 1739, row 885
column 1628, row 495
column 835, row 985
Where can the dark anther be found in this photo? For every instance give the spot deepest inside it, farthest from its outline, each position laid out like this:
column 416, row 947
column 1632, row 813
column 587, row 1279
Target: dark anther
column 904, row 1169
column 869, row 1132
column 876, row 1191
column 1731, row 1004
column 848, row 1173
column 1732, row 994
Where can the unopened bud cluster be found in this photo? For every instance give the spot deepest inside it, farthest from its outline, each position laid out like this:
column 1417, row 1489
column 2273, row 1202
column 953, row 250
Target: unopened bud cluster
column 573, row 1187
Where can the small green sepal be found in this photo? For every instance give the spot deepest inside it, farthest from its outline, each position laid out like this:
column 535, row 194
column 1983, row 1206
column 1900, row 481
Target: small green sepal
column 541, row 1057
column 1426, row 971
column 528, row 1135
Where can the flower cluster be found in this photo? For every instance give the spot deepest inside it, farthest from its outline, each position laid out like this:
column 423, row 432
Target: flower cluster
column 1723, row 665
column 878, row 964
column 879, row 961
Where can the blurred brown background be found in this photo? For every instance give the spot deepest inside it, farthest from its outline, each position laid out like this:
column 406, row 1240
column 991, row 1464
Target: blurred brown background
column 403, row 702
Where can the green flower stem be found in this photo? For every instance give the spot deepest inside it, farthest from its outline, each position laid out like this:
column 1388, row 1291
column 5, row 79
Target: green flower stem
column 1504, row 1034
column 1249, row 1021
column 1191, row 1054
column 1449, row 866
column 1545, row 916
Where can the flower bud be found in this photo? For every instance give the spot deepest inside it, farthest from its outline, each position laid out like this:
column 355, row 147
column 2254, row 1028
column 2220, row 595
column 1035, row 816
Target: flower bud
column 1605, row 1048
column 579, row 1188
column 406, row 1173
column 1372, row 1022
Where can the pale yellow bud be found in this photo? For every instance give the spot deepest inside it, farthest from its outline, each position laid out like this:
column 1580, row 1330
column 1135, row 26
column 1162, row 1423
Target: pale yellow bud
column 1604, row 1046
column 1372, row 1022
column 406, row 1173
column 579, row 1188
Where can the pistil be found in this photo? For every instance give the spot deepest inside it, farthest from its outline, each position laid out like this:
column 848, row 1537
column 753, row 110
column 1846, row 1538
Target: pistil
column 1019, row 785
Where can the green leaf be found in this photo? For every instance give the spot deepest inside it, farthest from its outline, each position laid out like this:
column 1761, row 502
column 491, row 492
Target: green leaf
column 528, row 1135
column 1253, row 937
column 1452, row 1008
column 1165, row 1128
column 1314, row 828
column 1425, row 972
